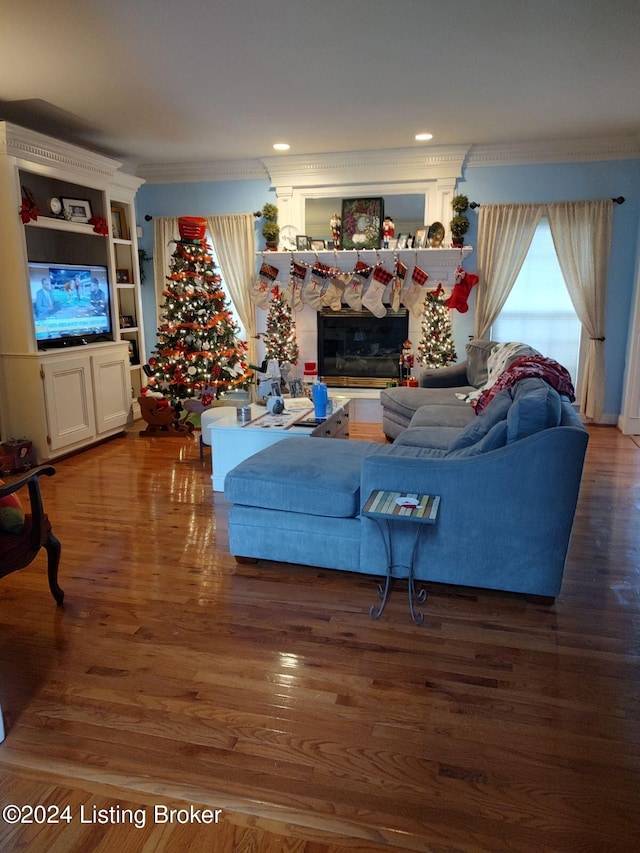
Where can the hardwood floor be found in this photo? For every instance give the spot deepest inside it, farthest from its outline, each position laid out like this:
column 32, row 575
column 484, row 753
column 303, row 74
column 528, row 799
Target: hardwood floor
column 175, row 678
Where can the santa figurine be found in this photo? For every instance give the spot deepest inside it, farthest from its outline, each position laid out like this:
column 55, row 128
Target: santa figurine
column 388, row 231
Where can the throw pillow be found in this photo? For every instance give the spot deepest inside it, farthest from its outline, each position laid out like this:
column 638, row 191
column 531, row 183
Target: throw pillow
column 533, row 411
column 11, row 514
column 495, row 412
column 478, row 352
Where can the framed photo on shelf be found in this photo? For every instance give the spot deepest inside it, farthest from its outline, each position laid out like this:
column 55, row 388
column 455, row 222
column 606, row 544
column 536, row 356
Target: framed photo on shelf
column 119, row 223
column 126, row 321
column 295, row 387
column 401, row 242
column 123, row 275
column 362, row 223
column 76, row 209
column 420, row 238
column 133, row 352
column 318, row 245
column 303, row 243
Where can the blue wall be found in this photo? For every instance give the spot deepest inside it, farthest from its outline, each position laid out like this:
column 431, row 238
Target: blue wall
column 485, row 184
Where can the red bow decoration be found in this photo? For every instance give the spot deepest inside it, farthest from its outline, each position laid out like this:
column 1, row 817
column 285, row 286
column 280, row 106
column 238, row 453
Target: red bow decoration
column 99, row 225
column 461, row 290
column 28, row 208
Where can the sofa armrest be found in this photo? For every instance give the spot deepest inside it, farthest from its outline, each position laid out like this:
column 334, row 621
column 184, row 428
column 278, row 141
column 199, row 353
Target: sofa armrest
column 453, row 376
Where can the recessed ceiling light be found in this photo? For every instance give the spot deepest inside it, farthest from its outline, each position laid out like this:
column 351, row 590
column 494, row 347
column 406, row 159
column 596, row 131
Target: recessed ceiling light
column 282, row 146
column 423, row 137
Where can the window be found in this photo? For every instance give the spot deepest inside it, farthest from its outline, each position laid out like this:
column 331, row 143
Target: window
column 539, row 311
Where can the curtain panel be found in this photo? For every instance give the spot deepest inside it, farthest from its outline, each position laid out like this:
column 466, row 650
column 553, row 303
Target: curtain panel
column 581, row 233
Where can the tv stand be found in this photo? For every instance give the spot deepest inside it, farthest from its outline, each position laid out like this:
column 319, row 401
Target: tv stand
column 64, row 398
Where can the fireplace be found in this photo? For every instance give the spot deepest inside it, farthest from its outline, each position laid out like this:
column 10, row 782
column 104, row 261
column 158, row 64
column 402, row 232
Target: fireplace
column 356, row 349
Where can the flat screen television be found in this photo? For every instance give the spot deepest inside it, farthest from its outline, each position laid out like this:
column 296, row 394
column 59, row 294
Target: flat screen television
column 71, row 304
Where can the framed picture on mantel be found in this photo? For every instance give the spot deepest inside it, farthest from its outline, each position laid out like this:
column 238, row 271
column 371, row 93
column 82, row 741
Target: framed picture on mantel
column 362, row 223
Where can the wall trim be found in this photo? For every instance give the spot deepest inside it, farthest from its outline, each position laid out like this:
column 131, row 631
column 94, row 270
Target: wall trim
column 191, row 173
column 559, row 151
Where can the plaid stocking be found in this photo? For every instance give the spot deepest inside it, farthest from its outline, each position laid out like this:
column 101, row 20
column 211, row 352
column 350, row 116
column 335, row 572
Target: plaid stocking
column 262, row 285
column 372, row 299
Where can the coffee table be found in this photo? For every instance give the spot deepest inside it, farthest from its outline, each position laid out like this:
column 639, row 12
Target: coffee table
column 232, row 441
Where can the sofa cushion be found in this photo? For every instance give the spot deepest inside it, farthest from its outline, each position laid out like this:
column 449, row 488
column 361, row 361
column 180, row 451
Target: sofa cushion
column 443, row 416
column 406, row 401
column 481, row 424
column 315, row 476
column 496, row 437
column 536, row 406
column 477, row 356
column 428, row 436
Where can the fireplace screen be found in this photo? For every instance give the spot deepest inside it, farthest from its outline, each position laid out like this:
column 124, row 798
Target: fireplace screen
column 357, row 349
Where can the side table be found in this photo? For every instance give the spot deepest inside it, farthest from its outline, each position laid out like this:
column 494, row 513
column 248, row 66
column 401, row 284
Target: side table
column 388, row 509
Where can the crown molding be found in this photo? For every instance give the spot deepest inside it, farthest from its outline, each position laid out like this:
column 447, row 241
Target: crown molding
column 214, row 170
column 558, row 151
column 396, row 165
column 48, row 152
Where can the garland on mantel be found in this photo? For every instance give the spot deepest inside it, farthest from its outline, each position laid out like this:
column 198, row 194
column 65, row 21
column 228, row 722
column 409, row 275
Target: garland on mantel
column 365, row 285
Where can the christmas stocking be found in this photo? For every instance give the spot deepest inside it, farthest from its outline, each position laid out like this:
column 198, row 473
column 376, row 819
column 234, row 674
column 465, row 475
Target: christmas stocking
column 292, row 294
column 372, row 299
column 461, row 290
column 332, row 297
column 312, row 294
column 413, row 292
column 260, row 291
column 398, row 280
column 353, row 293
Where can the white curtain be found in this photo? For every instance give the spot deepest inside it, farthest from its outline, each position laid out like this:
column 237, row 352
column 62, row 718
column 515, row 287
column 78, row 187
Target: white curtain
column 165, row 230
column 581, row 232
column 234, row 242
column 505, row 232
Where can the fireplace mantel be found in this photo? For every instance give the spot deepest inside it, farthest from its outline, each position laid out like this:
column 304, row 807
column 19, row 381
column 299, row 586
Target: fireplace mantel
column 439, row 264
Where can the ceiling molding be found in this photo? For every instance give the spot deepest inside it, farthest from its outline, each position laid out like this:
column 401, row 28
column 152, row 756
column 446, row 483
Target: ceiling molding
column 215, row 170
column 46, row 151
column 559, row 151
column 394, row 165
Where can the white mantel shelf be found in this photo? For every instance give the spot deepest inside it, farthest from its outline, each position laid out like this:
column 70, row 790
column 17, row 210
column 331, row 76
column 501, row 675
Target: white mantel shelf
column 345, row 259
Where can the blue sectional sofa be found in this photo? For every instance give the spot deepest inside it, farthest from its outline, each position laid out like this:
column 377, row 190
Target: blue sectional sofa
column 508, row 481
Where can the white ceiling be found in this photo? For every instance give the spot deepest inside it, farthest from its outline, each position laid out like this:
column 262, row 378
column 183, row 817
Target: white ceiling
column 184, row 81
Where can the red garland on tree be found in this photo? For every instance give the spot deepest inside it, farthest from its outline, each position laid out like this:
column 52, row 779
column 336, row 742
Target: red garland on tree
column 436, row 347
column 198, row 353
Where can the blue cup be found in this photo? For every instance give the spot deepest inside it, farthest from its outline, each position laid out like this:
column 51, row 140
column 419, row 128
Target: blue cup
column 320, row 395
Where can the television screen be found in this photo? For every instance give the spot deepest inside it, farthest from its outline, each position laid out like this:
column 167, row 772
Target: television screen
column 71, row 304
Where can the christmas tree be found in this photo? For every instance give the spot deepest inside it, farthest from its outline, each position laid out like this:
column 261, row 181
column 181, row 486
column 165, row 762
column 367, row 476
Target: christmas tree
column 280, row 337
column 436, row 347
column 198, row 353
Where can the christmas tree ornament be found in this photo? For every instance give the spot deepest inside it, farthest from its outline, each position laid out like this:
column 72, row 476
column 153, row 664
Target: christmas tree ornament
column 436, row 347
column 374, row 295
column 353, row 292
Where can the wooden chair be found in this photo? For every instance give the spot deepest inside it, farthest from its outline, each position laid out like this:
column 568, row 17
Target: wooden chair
column 18, row 550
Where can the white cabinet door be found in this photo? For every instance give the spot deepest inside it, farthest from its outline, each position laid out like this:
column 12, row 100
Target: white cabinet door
column 69, row 398
column 111, row 389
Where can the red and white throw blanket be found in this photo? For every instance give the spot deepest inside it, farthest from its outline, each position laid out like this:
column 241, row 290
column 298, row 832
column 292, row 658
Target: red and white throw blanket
column 551, row 371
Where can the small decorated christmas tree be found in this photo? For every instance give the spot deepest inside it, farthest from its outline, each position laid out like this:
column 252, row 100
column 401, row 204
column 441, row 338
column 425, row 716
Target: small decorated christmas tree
column 280, row 336
column 436, row 347
column 198, row 353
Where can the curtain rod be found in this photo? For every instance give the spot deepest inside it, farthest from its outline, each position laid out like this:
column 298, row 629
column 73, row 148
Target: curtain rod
column 619, row 200
column 257, row 214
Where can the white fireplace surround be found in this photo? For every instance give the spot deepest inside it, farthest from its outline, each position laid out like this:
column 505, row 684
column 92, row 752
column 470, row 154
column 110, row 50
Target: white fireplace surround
column 432, row 172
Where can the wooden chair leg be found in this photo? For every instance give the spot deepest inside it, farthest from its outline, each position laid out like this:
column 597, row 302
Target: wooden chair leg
column 54, row 549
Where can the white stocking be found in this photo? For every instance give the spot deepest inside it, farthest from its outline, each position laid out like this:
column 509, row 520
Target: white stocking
column 353, row 292
column 372, row 299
